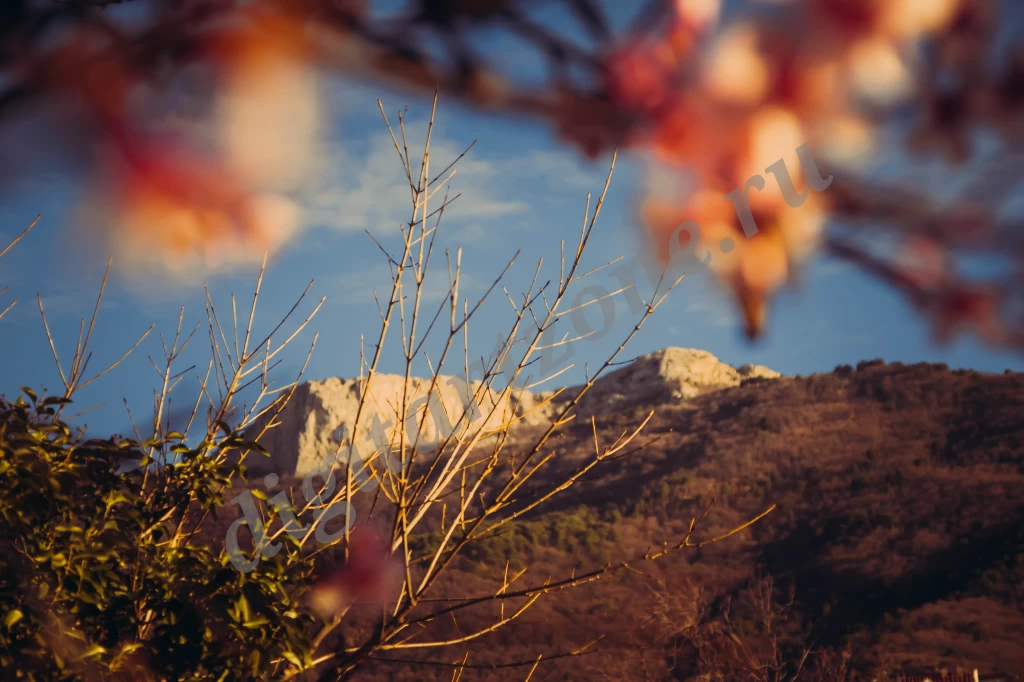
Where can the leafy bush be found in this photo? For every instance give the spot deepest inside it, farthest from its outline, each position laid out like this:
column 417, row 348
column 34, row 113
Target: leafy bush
column 99, row 575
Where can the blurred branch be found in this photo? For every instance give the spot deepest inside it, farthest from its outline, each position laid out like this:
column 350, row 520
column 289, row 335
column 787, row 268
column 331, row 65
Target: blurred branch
column 662, row 87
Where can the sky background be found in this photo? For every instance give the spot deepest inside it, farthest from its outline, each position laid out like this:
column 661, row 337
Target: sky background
column 521, row 189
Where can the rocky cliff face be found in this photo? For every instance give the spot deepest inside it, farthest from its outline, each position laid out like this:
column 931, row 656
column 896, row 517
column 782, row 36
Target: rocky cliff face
column 308, row 430
column 670, row 374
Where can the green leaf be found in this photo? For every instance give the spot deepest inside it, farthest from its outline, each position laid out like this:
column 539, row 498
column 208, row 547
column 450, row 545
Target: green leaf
column 293, row 659
column 116, row 498
column 256, row 447
column 94, row 650
column 242, row 608
column 255, row 623
column 12, row 617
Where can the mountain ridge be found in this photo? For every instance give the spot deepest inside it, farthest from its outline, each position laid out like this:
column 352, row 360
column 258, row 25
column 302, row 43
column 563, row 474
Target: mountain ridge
column 307, row 432
column 897, row 522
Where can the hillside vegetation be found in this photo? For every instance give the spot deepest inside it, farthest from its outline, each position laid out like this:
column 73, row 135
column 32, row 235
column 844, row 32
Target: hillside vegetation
column 896, row 543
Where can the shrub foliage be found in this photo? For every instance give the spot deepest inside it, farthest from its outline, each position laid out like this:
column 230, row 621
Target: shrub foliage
column 98, row 575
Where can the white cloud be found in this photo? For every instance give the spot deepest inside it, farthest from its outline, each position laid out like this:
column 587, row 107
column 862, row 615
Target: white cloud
column 354, row 191
column 471, row 233
column 560, row 169
column 357, row 288
column 353, row 182
column 361, row 184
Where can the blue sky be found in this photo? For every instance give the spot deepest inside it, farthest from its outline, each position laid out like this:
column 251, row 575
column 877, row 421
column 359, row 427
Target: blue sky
column 520, row 189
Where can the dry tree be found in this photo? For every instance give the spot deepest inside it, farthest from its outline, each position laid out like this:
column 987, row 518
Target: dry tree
column 750, row 633
column 116, row 575
column 474, row 479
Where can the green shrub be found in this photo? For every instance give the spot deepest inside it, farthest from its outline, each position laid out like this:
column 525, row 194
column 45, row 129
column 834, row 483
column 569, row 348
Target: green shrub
column 98, row 578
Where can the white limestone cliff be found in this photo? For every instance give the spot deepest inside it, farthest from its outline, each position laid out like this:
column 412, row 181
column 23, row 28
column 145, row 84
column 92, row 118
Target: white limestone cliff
column 307, row 431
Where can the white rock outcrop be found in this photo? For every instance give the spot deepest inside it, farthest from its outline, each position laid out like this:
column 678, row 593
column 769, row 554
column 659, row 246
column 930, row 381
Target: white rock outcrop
column 308, row 429
column 307, row 432
column 667, row 375
column 757, row 372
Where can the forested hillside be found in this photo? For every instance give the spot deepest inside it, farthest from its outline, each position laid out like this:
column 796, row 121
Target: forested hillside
column 896, row 542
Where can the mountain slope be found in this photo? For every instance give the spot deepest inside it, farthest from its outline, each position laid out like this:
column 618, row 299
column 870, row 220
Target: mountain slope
column 898, row 525
column 898, row 520
column 306, row 433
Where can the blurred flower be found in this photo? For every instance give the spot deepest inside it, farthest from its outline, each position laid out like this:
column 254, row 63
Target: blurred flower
column 752, row 269
column 908, row 19
column 164, row 209
column 922, row 262
column 692, row 132
column 269, row 121
column 641, row 76
column 86, row 73
column 736, row 72
column 896, row 19
column 592, row 123
column 756, row 268
column 724, row 108
column 370, row 576
column 965, row 307
column 812, row 83
column 843, row 140
column 770, row 134
column 698, row 15
column 877, row 71
column 844, row 19
column 708, row 208
column 802, row 228
column 762, row 269
column 691, row 19
column 158, row 206
column 268, row 105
